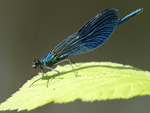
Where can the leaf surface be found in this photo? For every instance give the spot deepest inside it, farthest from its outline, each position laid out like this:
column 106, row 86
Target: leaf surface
column 95, row 81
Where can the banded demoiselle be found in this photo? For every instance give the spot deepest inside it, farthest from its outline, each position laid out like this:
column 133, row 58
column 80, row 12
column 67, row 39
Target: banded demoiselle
column 89, row 37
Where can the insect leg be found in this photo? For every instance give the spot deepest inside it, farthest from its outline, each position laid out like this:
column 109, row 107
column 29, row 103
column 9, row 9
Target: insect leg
column 70, row 64
column 52, row 70
column 38, row 78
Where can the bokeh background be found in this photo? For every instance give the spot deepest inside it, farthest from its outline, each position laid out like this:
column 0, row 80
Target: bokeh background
column 31, row 28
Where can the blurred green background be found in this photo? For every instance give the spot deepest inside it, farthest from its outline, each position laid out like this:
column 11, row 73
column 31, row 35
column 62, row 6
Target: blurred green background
column 31, row 28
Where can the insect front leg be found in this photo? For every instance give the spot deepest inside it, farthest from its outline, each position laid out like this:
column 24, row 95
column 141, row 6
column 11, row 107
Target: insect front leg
column 39, row 78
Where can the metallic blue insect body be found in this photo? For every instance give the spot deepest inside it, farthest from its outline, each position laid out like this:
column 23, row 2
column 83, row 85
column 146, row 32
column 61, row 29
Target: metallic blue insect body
column 89, row 37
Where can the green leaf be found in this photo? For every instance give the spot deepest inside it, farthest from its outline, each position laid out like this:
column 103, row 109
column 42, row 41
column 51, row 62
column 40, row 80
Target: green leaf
column 97, row 81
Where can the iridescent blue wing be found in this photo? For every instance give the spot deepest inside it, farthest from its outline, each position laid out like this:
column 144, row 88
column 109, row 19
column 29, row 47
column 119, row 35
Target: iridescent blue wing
column 89, row 37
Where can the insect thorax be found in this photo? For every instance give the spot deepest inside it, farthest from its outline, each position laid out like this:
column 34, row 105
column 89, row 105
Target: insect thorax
column 50, row 59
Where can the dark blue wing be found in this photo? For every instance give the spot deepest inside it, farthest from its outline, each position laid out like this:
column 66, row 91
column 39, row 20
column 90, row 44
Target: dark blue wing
column 89, row 37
